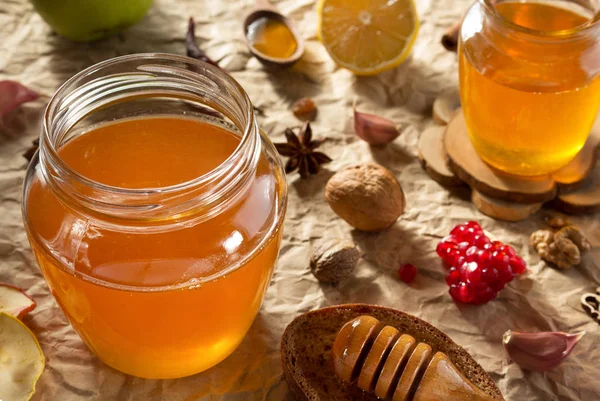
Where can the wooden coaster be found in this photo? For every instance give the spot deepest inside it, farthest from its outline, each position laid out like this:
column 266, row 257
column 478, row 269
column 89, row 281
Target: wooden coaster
column 466, row 164
column 583, row 200
column 502, row 210
column 445, row 106
column 433, row 157
column 448, row 156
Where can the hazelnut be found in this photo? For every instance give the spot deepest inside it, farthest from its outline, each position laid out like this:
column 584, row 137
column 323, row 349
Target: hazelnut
column 334, row 260
column 367, row 196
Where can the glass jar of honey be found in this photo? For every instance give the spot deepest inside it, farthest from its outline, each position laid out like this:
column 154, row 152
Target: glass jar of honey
column 529, row 81
column 154, row 208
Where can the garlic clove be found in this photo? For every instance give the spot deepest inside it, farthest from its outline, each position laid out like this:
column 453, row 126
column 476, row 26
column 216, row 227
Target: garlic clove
column 539, row 351
column 373, row 129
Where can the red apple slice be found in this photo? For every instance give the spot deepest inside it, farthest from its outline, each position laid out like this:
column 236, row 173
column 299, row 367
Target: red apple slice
column 21, row 360
column 14, row 301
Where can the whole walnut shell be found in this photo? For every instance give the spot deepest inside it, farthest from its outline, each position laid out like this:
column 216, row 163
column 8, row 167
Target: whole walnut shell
column 334, row 260
column 367, row 196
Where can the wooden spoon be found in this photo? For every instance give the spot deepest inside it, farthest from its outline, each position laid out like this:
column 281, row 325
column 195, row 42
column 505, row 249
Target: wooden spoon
column 264, row 9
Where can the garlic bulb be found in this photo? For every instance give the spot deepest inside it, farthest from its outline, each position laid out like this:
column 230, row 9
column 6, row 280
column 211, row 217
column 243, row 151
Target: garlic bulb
column 539, row 351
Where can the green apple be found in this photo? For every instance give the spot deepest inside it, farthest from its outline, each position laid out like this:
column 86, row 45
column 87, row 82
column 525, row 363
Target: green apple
column 87, row 20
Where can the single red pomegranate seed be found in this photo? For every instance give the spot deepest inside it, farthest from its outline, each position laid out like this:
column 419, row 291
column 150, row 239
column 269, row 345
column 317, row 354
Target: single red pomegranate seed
column 458, row 233
column 463, row 246
column 517, row 265
column 453, row 277
column 484, row 294
column 480, row 241
column 471, row 233
column 489, row 275
column 499, row 259
column 444, row 247
column 454, row 293
column 450, row 239
column 507, row 249
column 407, row 272
column 454, row 258
column 471, row 272
column 471, row 254
column 484, row 257
column 497, row 285
column 488, row 246
column 497, row 245
column 505, row 273
column 473, row 224
column 464, row 293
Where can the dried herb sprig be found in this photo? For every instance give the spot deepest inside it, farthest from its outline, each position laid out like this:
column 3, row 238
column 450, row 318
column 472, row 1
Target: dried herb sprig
column 192, row 47
column 301, row 152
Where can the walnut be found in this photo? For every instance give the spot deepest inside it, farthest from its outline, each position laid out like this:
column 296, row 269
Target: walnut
column 334, row 260
column 576, row 236
column 367, row 196
column 562, row 248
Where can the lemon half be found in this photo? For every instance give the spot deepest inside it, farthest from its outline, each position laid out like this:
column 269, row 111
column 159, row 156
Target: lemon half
column 368, row 36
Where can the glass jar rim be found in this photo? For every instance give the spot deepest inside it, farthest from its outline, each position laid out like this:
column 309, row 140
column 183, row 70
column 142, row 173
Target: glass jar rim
column 150, row 75
column 65, row 87
column 593, row 23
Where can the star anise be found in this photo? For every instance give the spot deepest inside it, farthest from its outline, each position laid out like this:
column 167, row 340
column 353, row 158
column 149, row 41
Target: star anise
column 29, row 153
column 301, row 151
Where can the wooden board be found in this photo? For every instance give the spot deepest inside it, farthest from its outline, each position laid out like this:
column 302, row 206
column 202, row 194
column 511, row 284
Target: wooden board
column 466, row 164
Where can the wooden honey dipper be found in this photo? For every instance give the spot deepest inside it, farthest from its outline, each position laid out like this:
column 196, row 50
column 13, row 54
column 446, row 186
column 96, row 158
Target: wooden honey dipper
column 395, row 367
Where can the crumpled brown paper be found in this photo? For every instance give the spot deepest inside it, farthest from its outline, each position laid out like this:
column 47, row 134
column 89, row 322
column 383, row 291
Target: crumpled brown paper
column 546, row 299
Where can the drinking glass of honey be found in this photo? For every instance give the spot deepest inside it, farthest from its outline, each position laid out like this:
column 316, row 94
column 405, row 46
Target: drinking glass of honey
column 154, row 208
column 529, row 81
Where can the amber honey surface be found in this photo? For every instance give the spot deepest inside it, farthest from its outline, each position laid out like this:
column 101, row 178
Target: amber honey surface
column 132, row 321
column 530, row 106
column 272, row 37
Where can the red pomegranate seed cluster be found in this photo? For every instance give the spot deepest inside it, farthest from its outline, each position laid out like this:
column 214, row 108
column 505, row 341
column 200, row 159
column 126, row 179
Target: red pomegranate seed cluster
column 479, row 267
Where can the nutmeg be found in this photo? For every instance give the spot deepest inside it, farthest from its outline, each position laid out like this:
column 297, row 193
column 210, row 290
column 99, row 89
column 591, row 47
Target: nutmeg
column 334, row 260
column 367, row 196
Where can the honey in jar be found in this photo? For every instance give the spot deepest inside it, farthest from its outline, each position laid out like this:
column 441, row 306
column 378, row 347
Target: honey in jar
column 156, row 233
column 529, row 82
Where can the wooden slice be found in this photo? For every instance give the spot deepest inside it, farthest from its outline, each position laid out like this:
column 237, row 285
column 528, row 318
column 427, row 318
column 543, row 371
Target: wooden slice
column 503, row 210
column 433, row 157
column 584, row 200
column 466, row 164
column 574, row 174
column 445, row 106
